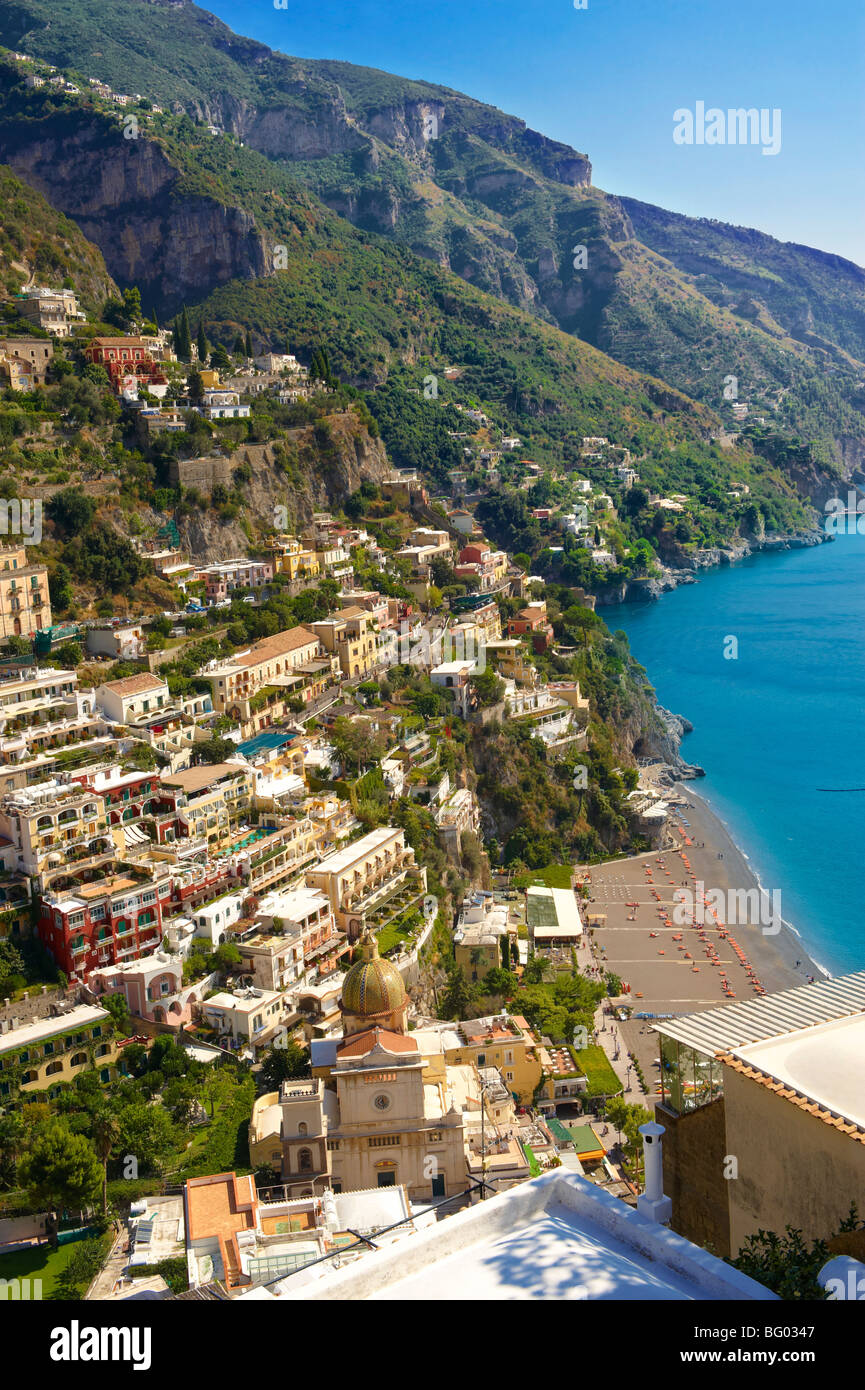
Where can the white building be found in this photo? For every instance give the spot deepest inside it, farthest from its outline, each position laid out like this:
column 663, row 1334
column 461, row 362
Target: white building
column 132, row 696
column 249, row 1017
column 556, row 1237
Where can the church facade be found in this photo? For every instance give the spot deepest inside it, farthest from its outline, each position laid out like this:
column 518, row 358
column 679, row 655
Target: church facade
column 377, row 1113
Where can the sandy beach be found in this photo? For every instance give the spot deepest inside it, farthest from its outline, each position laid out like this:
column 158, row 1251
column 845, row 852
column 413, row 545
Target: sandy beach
column 676, row 966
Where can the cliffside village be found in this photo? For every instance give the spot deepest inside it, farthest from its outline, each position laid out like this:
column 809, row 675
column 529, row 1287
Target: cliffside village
column 132, row 868
column 133, row 862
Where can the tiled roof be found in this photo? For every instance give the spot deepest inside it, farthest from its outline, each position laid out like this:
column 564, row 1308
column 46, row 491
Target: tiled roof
column 795, row 1097
column 194, row 779
column 362, row 1043
column 279, row 645
column 135, row 685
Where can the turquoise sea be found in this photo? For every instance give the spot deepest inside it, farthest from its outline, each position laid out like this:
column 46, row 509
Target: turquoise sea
column 778, row 728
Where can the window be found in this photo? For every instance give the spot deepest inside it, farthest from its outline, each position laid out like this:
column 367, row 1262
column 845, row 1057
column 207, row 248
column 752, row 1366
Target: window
column 333, row 1145
column 384, row 1141
column 304, row 1161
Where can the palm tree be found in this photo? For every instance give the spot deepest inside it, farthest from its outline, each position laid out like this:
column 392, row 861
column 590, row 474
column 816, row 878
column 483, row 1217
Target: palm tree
column 106, row 1132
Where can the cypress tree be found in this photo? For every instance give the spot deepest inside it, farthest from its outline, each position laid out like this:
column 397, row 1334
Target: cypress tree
column 183, row 338
column 202, row 345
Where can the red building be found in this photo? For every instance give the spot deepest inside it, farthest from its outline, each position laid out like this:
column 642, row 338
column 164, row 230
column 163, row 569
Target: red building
column 122, row 357
column 532, row 622
column 103, row 923
column 126, row 796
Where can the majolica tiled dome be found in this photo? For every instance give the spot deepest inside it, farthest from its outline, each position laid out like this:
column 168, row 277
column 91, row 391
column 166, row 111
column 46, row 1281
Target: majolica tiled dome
column 372, row 986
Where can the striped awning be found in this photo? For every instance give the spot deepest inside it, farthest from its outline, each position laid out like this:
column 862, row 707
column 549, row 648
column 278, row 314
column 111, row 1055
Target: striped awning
column 772, row 1015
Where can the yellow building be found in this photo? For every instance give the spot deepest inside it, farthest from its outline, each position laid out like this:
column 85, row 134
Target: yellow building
column 372, row 879
column 45, row 1053
column 351, row 638
column 790, row 1066
column 503, row 1041
column 479, row 952
column 268, row 662
column 293, row 558
column 55, row 830
column 209, row 800
column 25, row 605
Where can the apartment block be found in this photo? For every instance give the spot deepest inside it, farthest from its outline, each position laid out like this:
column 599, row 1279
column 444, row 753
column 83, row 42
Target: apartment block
column 371, row 881
column 48, row 1052
column 25, row 604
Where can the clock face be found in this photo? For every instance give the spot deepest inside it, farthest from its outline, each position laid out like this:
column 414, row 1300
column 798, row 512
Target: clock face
column 381, row 1101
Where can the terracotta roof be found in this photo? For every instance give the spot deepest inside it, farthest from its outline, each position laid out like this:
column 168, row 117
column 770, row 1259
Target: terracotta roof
column 195, row 778
column 796, row 1098
column 135, row 685
column 279, row 645
column 362, row 1043
column 118, row 342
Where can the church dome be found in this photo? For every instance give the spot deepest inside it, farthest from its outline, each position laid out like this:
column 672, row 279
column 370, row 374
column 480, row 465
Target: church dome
column 372, row 986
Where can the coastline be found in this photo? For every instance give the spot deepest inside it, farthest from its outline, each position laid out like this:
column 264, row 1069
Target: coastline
column 673, row 968
column 670, row 578
column 789, row 943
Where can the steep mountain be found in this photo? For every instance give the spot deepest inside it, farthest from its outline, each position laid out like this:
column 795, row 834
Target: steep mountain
column 39, row 244
column 475, row 190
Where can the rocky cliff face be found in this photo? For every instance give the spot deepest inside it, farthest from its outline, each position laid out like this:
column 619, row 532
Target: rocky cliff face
column 125, row 195
column 313, row 469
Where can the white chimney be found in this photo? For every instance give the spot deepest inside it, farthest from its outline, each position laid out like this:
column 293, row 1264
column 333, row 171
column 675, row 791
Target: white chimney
column 653, row 1203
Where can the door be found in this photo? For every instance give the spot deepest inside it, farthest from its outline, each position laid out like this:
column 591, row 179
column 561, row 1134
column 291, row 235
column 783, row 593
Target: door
column 438, row 1185
column 387, row 1179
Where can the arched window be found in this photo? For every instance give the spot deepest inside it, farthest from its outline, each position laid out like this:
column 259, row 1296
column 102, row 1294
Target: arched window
column 304, row 1161
column 78, row 1059
column 302, row 1129
column 53, row 1068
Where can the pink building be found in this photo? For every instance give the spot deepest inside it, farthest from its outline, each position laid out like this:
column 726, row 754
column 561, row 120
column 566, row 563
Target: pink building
column 153, row 988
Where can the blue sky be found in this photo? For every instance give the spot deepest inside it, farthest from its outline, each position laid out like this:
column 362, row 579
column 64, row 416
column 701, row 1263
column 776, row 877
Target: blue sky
column 607, row 80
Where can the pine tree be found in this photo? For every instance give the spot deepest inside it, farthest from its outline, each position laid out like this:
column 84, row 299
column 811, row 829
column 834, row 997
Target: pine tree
column 202, row 345
column 238, row 348
column 248, row 343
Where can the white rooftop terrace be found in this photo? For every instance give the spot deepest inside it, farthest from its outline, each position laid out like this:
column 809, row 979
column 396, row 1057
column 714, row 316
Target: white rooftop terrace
column 38, row 1030
column 555, row 1237
column 825, row 1064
